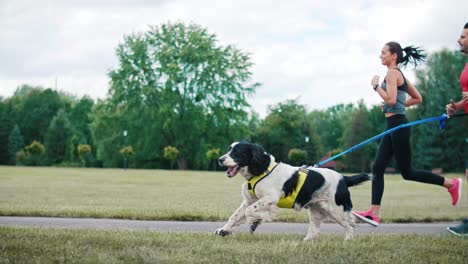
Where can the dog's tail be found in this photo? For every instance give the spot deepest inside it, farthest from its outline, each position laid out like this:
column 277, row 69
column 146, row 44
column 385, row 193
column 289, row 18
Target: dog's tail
column 356, row 179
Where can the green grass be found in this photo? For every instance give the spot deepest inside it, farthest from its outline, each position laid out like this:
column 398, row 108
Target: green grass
column 186, row 195
column 33, row 245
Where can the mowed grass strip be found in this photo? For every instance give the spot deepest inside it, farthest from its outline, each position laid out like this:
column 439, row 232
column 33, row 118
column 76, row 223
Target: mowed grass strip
column 47, row 245
column 187, row 195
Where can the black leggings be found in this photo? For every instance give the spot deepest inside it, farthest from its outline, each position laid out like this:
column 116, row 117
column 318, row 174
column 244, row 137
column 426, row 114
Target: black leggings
column 397, row 144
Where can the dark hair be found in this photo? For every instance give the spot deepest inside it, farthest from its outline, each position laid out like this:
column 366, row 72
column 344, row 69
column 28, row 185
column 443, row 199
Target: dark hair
column 413, row 55
column 466, row 25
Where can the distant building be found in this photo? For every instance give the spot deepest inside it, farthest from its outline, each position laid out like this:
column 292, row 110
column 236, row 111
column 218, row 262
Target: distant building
column 329, row 165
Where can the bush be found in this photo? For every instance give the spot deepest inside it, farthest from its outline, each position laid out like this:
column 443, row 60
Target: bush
column 297, row 157
column 127, row 151
column 171, row 153
column 84, row 152
column 213, row 154
column 32, row 155
column 83, row 149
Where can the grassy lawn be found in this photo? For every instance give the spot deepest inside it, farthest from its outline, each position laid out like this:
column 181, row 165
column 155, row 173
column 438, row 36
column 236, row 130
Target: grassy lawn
column 32, row 245
column 186, row 195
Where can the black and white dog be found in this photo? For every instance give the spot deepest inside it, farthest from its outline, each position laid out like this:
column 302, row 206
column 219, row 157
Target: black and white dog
column 271, row 185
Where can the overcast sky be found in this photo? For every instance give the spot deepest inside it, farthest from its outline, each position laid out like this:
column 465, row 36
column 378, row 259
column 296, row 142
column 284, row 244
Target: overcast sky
column 323, row 52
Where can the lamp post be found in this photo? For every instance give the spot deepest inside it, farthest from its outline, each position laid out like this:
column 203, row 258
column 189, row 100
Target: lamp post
column 125, row 143
column 306, row 146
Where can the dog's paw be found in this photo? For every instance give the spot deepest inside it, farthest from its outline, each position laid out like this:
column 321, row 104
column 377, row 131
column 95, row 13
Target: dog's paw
column 310, row 238
column 254, row 226
column 222, row 232
column 349, row 236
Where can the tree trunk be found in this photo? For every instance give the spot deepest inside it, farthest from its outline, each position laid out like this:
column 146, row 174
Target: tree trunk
column 182, row 164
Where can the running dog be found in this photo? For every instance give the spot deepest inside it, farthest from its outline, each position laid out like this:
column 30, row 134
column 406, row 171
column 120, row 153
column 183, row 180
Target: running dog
column 270, row 185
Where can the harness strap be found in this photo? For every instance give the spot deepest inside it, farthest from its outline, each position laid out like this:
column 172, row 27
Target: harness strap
column 290, row 200
column 254, row 180
column 285, row 201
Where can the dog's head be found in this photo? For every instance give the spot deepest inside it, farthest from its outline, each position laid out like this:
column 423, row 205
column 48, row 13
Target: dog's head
column 245, row 158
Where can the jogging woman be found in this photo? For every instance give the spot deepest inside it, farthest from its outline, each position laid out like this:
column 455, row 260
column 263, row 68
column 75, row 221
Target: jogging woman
column 394, row 90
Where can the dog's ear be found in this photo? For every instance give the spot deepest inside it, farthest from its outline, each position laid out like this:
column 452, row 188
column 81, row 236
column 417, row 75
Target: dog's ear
column 260, row 160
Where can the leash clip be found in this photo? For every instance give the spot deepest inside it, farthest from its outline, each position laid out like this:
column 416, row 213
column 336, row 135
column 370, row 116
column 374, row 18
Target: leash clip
column 443, row 120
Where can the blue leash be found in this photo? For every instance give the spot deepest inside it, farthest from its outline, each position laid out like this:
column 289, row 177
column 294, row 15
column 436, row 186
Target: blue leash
column 441, row 120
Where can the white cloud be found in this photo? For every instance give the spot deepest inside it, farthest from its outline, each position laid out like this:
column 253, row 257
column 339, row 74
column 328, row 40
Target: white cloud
column 322, row 52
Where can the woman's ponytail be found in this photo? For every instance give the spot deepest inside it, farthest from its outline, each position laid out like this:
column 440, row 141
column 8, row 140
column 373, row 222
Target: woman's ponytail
column 413, row 55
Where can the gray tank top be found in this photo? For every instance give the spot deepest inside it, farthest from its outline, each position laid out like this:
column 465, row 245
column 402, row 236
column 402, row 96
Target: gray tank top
column 399, row 106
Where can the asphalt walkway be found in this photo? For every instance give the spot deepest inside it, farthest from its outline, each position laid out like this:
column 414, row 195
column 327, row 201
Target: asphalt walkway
column 175, row 226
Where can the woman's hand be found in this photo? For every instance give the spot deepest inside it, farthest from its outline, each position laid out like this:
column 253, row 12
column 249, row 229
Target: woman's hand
column 375, row 80
column 465, row 97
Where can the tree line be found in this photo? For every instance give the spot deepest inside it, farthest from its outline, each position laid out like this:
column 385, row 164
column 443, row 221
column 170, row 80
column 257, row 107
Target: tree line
column 178, row 98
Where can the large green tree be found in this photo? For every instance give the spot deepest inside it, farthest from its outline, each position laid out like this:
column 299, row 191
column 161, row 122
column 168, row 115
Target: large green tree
column 57, row 138
column 376, row 120
column 175, row 85
column 7, row 123
column 330, row 125
column 79, row 117
column 15, row 143
column 286, row 127
column 108, row 132
column 356, row 132
column 35, row 107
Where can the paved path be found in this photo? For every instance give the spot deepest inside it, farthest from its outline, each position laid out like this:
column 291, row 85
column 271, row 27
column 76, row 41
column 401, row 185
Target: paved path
column 174, row 226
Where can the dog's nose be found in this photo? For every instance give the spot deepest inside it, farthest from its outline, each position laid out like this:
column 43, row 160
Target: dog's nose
column 221, row 160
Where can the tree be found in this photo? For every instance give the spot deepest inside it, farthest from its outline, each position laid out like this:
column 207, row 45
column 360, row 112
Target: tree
column 79, row 118
column 287, row 127
column 57, row 138
column 107, row 130
column 356, row 132
column 15, row 143
column 6, row 127
column 35, row 109
column 330, row 125
column 176, row 86
column 376, row 120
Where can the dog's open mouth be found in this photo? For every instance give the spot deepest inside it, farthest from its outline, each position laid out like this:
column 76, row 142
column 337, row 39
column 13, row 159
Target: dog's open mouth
column 232, row 170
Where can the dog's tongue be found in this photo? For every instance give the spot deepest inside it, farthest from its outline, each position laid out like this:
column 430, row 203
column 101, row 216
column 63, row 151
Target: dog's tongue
column 232, row 170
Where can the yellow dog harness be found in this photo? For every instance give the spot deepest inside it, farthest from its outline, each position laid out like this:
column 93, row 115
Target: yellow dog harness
column 285, row 201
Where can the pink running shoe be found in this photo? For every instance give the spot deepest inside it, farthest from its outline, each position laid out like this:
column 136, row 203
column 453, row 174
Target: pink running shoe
column 367, row 217
column 456, row 191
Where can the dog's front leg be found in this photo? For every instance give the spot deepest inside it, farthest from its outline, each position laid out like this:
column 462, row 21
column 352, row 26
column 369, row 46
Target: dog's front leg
column 261, row 211
column 233, row 221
